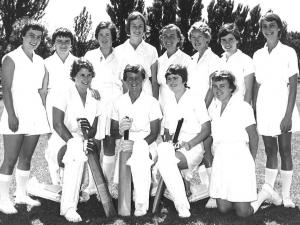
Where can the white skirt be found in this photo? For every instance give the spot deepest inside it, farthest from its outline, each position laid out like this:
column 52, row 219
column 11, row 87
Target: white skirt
column 233, row 173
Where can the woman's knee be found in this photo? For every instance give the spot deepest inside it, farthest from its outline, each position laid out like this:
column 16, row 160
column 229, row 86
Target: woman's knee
column 243, row 212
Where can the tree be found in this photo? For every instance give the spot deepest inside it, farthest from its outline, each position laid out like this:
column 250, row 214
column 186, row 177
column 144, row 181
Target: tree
column 13, row 10
column 189, row 11
column 161, row 13
column 119, row 10
column 82, row 28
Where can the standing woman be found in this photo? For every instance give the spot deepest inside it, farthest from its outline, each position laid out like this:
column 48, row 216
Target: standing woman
column 195, row 128
column 276, row 71
column 234, row 60
column 204, row 62
column 171, row 39
column 59, row 66
column 136, row 51
column 24, row 116
column 108, row 82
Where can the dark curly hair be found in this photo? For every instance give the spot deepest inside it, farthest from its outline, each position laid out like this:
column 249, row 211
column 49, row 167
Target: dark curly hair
column 62, row 32
column 31, row 24
column 79, row 64
column 177, row 69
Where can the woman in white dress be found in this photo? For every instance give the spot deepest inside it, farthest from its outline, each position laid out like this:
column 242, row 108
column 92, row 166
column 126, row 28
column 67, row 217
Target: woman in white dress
column 66, row 144
column 136, row 51
column 108, row 81
column 203, row 64
column 195, row 128
column 234, row 60
column 276, row 71
column 233, row 179
column 24, row 116
column 139, row 113
column 171, row 39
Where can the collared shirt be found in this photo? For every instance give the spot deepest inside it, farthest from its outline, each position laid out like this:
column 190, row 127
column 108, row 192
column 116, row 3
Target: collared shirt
column 192, row 110
column 145, row 54
column 200, row 71
column 231, row 125
column 108, row 74
column 240, row 65
column 70, row 103
column 277, row 66
column 179, row 57
column 144, row 110
column 59, row 71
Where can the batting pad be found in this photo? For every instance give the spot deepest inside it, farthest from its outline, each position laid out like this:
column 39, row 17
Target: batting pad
column 47, row 191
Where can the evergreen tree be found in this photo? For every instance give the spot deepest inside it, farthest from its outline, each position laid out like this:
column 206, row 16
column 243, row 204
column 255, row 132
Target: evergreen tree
column 119, row 10
column 82, row 28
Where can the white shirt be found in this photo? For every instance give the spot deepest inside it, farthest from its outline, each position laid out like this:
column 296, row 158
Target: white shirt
column 179, row 57
column 231, row 125
column 145, row 54
column 70, row 103
column 144, row 110
column 59, row 71
column 240, row 65
column 192, row 110
column 200, row 71
column 108, row 74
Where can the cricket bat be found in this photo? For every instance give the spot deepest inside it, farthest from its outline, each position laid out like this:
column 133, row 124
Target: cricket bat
column 101, row 185
column 161, row 185
column 124, row 190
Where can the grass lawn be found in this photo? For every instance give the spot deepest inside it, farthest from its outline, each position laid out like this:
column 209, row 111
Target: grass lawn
column 92, row 212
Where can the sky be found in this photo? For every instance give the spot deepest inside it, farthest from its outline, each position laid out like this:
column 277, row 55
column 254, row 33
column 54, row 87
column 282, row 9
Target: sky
column 61, row 13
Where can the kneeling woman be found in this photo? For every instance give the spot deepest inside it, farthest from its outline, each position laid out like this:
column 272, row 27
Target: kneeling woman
column 73, row 103
column 233, row 179
column 195, row 128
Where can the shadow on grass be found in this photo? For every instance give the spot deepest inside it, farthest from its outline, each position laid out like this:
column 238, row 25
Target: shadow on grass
column 92, row 214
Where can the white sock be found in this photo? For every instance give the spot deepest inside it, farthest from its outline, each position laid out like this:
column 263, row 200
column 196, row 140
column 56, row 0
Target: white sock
column 108, row 167
column 4, row 186
column 270, row 176
column 22, row 177
column 286, row 179
column 261, row 197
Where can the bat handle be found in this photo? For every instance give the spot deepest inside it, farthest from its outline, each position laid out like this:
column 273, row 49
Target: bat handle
column 126, row 135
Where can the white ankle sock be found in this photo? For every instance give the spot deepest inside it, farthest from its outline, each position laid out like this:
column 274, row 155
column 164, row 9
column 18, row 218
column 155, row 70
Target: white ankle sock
column 286, row 180
column 4, row 186
column 270, row 176
column 22, row 177
column 108, row 167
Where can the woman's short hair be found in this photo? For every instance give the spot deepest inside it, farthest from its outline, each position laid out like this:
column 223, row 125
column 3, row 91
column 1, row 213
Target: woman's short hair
column 202, row 27
column 270, row 16
column 178, row 32
column 224, row 75
column 133, row 16
column 107, row 25
column 177, row 69
column 229, row 28
column 31, row 24
column 80, row 63
column 62, row 32
column 134, row 69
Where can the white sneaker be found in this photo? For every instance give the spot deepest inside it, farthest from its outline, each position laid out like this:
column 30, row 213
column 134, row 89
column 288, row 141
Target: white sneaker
column 288, row 203
column 275, row 197
column 211, row 203
column 7, row 207
column 183, row 211
column 27, row 200
column 72, row 216
column 140, row 209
